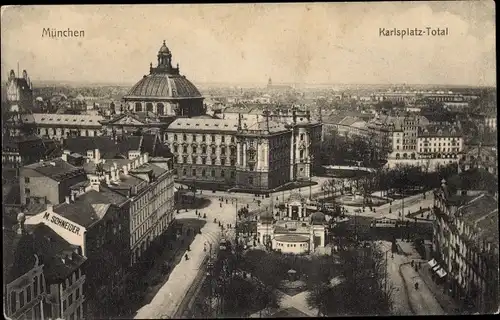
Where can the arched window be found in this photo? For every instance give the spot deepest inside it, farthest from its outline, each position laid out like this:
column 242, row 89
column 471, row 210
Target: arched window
column 397, row 156
column 138, row 107
column 413, row 155
column 160, row 109
column 149, row 107
column 175, row 137
column 405, row 155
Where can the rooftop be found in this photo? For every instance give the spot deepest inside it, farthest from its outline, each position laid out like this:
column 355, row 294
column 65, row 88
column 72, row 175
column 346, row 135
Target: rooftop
column 63, row 119
column 439, row 131
column 56, row 254
column 56, row 169
column 205, row 124
column 90, row 207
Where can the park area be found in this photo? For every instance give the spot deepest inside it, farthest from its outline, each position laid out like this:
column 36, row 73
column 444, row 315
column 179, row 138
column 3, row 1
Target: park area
column 263, row 280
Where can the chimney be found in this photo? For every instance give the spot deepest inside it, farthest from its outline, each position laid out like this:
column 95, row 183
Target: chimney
column 108, row 181
column 141, row 160
column 72, row 197
column 113, row 174
column 117, row 174
column 67, row 199
column 97, row 156
column 129, row 166
column 50, row 207
column 125, row 170
column 146, row 157
column 115, row 165
column 136, row 163
column 64, row 157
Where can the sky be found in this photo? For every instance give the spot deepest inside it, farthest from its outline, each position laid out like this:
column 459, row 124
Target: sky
column 314, row 43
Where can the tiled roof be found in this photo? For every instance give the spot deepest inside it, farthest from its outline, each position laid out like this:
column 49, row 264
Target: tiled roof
column 205, row 124
column 439, row 131
column 52, row 249
column 56, row 169
column 63, row 119
column 347, row 121
column 110, row 149
column 90, row 207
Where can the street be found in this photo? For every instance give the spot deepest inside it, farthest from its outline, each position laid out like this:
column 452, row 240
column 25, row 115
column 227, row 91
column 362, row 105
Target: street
column 408, row 300
column 171, row 295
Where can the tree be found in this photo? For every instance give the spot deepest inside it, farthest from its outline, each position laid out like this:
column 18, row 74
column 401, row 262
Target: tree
column 362, row 275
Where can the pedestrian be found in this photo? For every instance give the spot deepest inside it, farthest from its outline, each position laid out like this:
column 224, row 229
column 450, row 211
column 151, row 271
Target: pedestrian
column 221, row 204
column 186, row 256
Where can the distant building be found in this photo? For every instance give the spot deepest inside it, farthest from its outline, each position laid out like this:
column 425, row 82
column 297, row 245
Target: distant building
column 465, row 244
column 23, row 150
column 404, row 136
column 19, row 92
column 440, row 142
column 479, row 157
column 61, row 126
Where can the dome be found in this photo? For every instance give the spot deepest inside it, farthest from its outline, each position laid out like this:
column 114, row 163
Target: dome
column 164, row 48
column 317, row 218
column 164, row 85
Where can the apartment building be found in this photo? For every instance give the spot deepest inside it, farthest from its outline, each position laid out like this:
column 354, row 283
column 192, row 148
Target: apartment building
column 47, row 182
column 465, row 243
column 440, row 142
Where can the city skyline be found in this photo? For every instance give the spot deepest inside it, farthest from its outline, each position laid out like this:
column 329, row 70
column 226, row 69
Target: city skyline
column 307, row 44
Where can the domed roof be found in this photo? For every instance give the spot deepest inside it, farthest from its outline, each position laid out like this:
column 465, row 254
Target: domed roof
column 317, row 218
column 164, row 85
column 164, row 48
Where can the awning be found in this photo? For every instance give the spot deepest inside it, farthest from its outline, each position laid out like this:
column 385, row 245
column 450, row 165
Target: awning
column 441, row 273
column 432, row 263
column 436, row 267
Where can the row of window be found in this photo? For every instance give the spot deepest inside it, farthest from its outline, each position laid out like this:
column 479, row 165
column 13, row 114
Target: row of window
column 204, row 138
column 292, row 245
column 203, row 160
column 62, row 131
column 203, row 149
column 204, row 173
column 439, row 144
column 32, row 292
column 440, row 150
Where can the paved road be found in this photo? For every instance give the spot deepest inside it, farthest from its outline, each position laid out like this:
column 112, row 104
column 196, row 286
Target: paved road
column 171, row 295
column 408, row 300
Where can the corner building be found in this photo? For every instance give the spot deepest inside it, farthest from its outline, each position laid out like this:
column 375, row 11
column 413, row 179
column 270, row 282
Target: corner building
column 230, row 153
